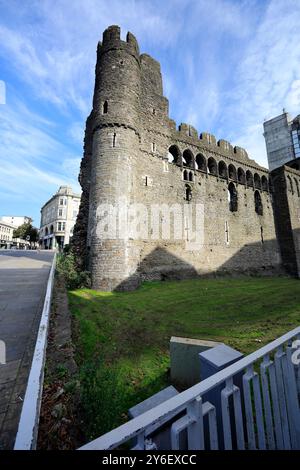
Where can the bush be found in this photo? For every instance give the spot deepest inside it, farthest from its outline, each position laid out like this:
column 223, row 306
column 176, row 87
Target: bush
column 66, row 266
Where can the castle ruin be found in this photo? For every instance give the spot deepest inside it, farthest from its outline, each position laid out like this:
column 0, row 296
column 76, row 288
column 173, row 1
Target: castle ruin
column 133, row 152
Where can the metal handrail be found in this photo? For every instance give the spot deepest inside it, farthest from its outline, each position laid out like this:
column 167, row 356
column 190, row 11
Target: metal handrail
column 179, row 402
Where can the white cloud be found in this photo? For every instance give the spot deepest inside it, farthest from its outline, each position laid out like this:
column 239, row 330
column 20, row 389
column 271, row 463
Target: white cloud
column 33, row 161
column 267, row 78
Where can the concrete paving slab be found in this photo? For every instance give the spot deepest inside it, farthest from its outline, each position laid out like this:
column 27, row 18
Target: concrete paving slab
column 23, row 281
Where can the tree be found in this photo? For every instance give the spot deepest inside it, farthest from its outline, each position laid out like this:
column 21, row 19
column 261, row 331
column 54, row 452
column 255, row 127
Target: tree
column 26, row 230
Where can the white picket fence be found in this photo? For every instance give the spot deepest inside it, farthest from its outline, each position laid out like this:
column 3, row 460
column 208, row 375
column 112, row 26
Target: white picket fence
column 263, row 413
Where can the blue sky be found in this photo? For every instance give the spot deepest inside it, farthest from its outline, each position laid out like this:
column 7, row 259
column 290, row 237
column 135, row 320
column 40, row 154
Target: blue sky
column 227, row 65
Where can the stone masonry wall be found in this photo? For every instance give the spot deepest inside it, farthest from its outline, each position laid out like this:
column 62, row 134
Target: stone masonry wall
column 133, row 142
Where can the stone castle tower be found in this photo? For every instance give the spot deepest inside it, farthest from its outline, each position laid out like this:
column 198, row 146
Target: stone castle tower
column 134, row 156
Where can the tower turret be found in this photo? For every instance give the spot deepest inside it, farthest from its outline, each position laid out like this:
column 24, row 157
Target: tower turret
column 116, row 141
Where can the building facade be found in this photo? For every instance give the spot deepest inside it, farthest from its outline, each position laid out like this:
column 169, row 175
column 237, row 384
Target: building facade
column 136, row 161
column 6, row 235
column 16, row 221
column 282, row 137
column 58, row 217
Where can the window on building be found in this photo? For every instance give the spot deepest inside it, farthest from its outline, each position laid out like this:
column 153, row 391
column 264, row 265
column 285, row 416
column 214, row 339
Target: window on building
column 105, row 107
column 201, row 162
column 222, row 169
column 212, row 166
column 174, row 154
column 232, row 198
column 226, row 232
column 61, row 201
column 262, row 234
column 188, row 192
column 188, row 158
column 249, row 178
column 258, row 203
column 60, row 212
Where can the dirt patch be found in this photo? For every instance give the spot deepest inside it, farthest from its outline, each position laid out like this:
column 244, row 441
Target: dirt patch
column 60, row 419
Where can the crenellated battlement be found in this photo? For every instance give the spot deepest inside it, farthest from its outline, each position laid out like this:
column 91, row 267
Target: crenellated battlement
column 112, row 39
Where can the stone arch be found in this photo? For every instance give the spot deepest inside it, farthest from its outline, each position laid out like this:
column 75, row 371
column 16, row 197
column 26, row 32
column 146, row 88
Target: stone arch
column 297, row 187
column 290, row 186
column 201, row 163
column 264, row 183
column 212, row 166
column 51, row 229
column 191, row 176
column 174, row 154
column 46, row 231
column 257, row 181
column 185, row 175
column 232, row 172
column 188, row 159
column 249, row 178
column 258, row 203
column 222, row 169
column 232, row 197
column 241, row 176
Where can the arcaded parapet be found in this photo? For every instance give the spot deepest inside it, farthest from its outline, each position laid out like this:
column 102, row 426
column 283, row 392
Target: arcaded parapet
column 139, row 160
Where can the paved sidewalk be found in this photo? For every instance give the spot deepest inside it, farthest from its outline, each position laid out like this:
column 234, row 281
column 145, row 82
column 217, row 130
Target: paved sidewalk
column 23, row 281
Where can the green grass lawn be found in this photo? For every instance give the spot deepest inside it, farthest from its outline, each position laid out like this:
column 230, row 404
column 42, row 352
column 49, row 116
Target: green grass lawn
column 122, row 338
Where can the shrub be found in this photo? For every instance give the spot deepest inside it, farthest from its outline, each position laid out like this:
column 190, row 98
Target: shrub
column 66, row 266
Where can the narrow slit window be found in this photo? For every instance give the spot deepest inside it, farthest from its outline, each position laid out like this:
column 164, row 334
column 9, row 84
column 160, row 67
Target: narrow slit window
column 105, row 107
column 226, row 232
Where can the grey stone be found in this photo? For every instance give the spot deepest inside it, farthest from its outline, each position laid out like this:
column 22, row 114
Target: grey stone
column 184, row 358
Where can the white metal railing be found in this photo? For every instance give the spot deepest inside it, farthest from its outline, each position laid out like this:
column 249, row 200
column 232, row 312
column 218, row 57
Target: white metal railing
column 263, row 413
column 28, row 425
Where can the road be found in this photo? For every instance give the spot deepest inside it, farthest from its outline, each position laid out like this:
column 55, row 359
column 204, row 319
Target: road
column 23, row 281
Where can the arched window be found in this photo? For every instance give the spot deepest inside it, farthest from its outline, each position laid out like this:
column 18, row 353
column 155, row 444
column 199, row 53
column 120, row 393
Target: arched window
column 249, row 178
column 174, row 154
column 232, row 198
column 232, row 172
column 185, row 175
column 241, row 176
column 188, row 192
column 290, row 186
column 188, row 159
column 105, row 107
column 264, row 183
column 201, row 162
column 191, row 176
column 212, row 166
column 46, row 231
column 258, row 203
column 51, row 229
column 222, row 169
column 257, row 182
column 297, row 187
